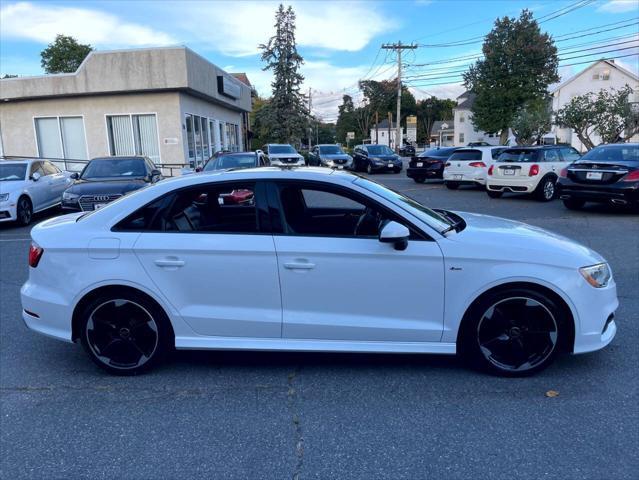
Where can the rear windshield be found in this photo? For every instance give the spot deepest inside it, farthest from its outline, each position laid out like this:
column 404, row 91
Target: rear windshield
column 518, row 156
column 437, row 152
column 466, row 155
column 613, row 153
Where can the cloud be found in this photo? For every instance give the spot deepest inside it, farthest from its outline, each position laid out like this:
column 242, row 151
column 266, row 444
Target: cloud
column 618, row 6
column 237, row 28
column 42, row 22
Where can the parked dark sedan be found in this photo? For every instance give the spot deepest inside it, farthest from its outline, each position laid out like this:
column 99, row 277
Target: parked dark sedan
column 606, row 174
column 407, row 150
column 237, row 160
column 376, row 158
column 105, row 179
column 429, row 164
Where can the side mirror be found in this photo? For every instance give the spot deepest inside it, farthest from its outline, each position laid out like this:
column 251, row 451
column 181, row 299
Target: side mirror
column 35, row 177
column 156, row 173
column 198, row 169
column 395, row 233
column 75, row 175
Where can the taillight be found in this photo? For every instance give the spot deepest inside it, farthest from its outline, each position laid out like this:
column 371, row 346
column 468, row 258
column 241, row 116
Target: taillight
column 490, row 170
column 35, row 254
column 477, row 164
column 563, row 173
column 631, row 177
column 534, row 170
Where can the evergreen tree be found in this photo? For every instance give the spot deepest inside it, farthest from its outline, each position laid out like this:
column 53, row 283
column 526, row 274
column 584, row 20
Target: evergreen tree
column 346, row 121
column 287, row 112
column 64, row 55
column 518, row 65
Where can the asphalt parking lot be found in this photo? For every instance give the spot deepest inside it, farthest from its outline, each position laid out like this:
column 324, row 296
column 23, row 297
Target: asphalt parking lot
column 282, row 415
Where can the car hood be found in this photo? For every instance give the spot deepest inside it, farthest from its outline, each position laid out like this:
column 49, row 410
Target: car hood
column 12, row 186
column 494, row 238
column 84, row 187
column 284, row 155
column 335, row 156
column 385, row 158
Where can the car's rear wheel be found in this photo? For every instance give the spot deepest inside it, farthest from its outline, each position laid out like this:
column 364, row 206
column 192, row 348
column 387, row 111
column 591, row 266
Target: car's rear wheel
column 515, row 332
column 545, row 191
column 125, row 333
column 493, row 194
column 452, row 185
column 419, row 179
column 573, row 204
column 24, row 211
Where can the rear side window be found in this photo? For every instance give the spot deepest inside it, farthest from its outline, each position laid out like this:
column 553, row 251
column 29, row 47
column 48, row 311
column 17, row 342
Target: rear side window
column 570, row 154
column 217, row 208
column 518, row 156
column 466, row 155
column 496, row 152
column 551, row 155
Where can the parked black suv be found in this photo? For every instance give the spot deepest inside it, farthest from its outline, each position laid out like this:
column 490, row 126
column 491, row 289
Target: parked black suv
column 104, row 179
column 429, row 164
column 376, row 158
column 606, row 174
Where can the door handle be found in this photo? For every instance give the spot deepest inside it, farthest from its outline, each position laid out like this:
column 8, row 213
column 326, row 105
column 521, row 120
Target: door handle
column 299, row 265
column 168, row 262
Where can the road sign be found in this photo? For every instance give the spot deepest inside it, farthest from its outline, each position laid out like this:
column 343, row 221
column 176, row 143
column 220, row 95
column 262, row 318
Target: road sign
column 350, row 135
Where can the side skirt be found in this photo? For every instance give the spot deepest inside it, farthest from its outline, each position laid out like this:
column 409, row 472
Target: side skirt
column 309, row 345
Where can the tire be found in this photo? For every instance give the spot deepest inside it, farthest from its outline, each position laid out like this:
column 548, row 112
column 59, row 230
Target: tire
column 496, row 334
column 493, row 194
column 419, row 179
column 24, row 211
column 546, row 189
column 452, row 185
column 125, row 333
column 369, row 169
column 573, row 204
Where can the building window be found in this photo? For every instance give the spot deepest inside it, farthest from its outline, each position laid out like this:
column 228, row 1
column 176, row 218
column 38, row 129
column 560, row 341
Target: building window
column 461, row 138
column 133, row 135
column 61, row 137
column 601, row 75
column 462, row 119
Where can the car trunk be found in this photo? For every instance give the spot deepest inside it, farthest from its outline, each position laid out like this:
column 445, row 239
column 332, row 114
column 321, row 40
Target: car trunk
column 423, row 162
column 464, row 162
column 598, row 173
column 512, row 164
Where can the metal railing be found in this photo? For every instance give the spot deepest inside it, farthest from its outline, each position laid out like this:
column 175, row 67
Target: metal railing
column 76, row 165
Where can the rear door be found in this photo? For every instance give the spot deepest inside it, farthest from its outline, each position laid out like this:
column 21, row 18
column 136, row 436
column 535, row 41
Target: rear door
column 39, row 190
column 209, row 250
column 340, row 283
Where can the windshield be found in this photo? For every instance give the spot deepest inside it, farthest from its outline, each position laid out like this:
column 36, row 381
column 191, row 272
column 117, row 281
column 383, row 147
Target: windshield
column 12, row 171
column 379, row 150
column 231, row 161
column 413, row 207
column 281, row 149
column 613, row 153
column 114, row 167
column 437, row 152
column 465, row 155
column 331, row 150
column 518, row 156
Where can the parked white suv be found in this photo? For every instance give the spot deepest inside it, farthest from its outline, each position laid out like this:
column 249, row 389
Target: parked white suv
column 469, row 166
column 28, row 186
column 281, row 155
column 532, row 170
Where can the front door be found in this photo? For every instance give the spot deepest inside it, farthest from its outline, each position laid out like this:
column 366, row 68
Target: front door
column 214, row 261
column 340, row 283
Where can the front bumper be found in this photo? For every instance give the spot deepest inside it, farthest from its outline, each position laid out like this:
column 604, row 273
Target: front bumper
column 8, row 211
column 71, row 206
column 627, row 193
column 596, row 326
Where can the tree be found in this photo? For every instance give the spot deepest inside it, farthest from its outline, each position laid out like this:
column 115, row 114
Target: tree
column 606, row 113
column 64, row 55
column 430, row 110
column 346, row 120
column 287, row 107
column 9, row 75
column 531, row 121
column 518, row 65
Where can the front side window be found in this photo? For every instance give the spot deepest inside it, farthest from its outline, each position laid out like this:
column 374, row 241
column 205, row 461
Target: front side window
column 36, row 167
column 209, row 208
column 61, row 137
column 570, row 154
column 49, row 168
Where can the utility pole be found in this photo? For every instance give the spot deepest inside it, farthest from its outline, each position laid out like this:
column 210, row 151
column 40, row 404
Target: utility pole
column 376, row 128
column 390, row 125
column 310, row 128
column 398, row 47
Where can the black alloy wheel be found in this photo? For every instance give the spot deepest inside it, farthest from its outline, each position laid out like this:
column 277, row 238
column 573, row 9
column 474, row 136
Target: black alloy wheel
column 513, row 333
column 24, row 211
column 124, row 334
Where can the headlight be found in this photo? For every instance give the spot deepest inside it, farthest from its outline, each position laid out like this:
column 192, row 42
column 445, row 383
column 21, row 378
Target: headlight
column 596, row 275
column 4, row 197
column 68, row 196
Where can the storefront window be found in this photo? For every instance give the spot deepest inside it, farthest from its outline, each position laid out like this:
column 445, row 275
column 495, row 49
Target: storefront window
column 189, row 138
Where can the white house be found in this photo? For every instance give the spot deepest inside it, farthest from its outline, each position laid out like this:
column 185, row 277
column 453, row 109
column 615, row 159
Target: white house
column 442, row 133
column 465, row 131
column 381, row 135
column 603, row 74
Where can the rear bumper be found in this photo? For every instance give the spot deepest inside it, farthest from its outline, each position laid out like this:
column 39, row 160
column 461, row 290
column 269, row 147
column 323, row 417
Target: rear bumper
column 478, row 177
column 45, row 311
column 420, row 172
column 525, row 185
column 628, row 194
column 385, row 168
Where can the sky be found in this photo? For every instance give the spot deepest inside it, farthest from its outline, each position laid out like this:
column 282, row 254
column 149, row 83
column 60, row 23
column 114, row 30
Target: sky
column 339, row 40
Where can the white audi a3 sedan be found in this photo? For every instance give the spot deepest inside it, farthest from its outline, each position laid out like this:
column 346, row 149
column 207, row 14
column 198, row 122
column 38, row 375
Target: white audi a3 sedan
column 310, row 259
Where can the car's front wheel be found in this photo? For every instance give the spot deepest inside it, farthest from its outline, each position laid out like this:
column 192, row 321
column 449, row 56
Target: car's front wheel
column 24, row 211
column 124, row 332
column 513, row 332
column 369, row 169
